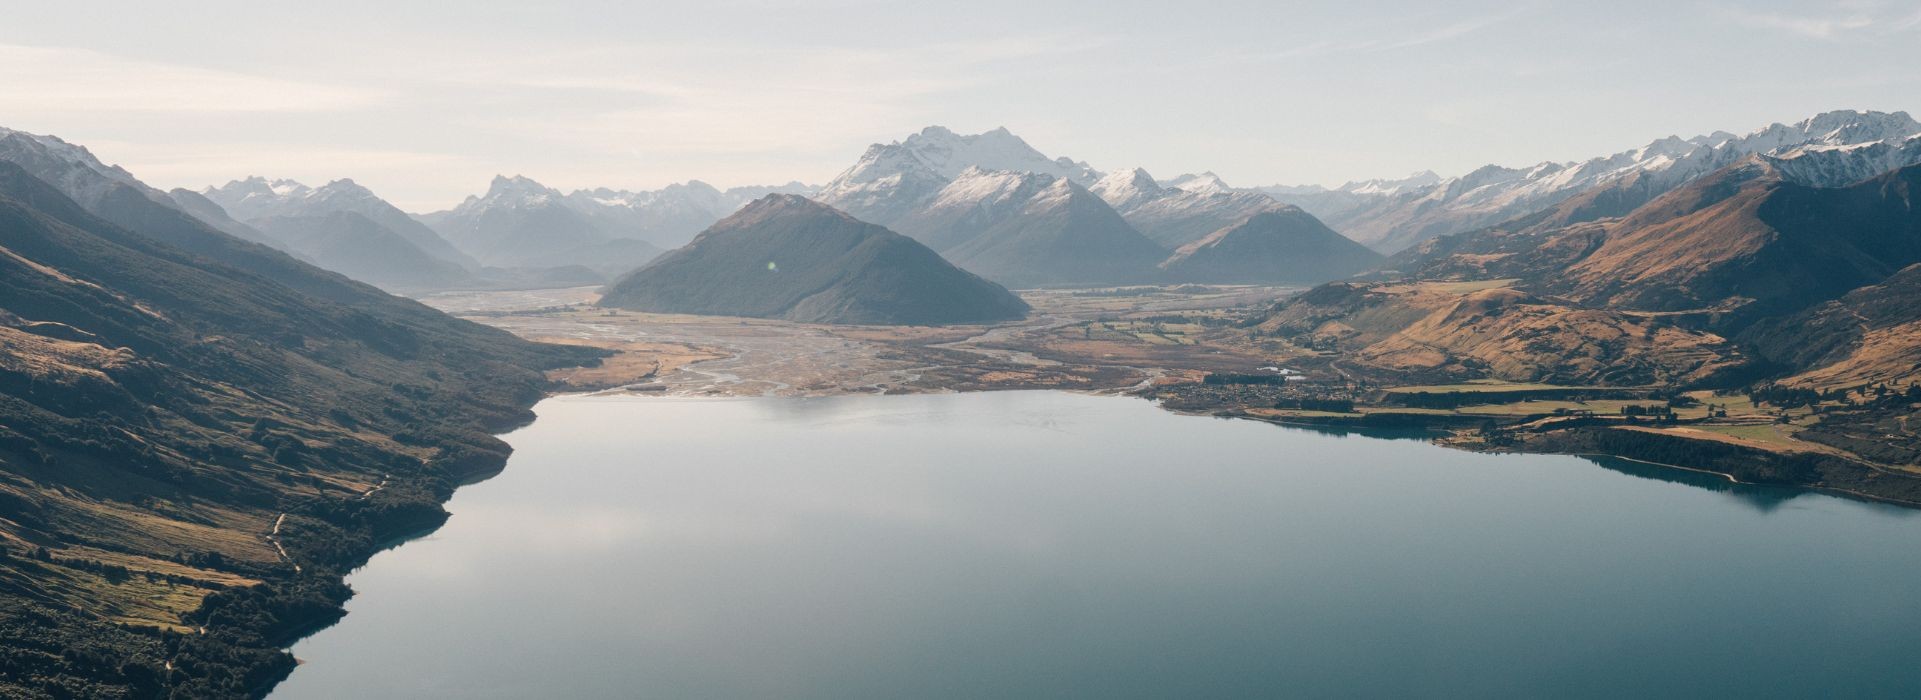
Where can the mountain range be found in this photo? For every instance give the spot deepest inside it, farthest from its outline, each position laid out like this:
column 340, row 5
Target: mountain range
column 258, row 198
column 1000, row 208
column 672, row 215
column 1747, row 271
column 1389, row 216
column 1185, row 209
column 1031, row 229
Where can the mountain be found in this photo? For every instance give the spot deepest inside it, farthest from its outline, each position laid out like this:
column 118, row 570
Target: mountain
column 214, row 215
column 1284, row 246
column 520, row 223
column 670, row 216
column 1741, row 264
column 353, row 245
column 891, row 180
column 1869, row 336
column 169, row 395
column 1189, row 207
column 1443, row 333
column 109, row 190
column 1327, row 204
column 1392, row 221
column 1204, row 182
column 1745, row 242
column 1749, row 239
column 1031, row 229
column 258, row 198
column 72, row 169
column 788, row 257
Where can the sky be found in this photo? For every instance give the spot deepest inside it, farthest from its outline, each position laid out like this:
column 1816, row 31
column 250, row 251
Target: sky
column 425, row 102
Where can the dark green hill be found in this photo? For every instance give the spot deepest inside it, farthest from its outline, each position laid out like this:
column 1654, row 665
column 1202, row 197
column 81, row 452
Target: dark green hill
column 789, row 257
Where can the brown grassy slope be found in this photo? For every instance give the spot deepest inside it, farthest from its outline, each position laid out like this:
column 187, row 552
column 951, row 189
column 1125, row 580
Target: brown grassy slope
column 1466, row 330
column 1744, row 236
column 162, row 402
column 1871, row 335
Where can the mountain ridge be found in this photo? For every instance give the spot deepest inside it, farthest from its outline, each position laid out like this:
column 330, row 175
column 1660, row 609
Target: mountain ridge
column 789, row 257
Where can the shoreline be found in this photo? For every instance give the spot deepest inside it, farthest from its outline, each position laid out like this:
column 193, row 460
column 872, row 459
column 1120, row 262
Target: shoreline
column 395, row 540
column 1907, row 494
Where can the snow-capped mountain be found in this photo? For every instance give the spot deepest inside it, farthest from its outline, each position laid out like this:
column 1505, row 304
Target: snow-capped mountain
column 257, row 198
column 1393, row 218
column 1424, row 178
column 1124, row 189
column 1840, row 166
column 97, row 186
column 672, row 215
column 1331, row 204
column 1204, row 183
column 891, row 179
column 1025, row 229
column 520, row 223
column 971, row 197
column 70, row 168
column 1186, row 209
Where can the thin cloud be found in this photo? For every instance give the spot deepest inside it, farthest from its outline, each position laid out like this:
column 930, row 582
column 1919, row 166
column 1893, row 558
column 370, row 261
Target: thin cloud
column 1857, row 18
column 39, row 80
column 1451, row 31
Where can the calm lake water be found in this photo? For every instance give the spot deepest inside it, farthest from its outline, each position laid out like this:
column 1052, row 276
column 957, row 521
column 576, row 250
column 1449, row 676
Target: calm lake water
column 1039, row 544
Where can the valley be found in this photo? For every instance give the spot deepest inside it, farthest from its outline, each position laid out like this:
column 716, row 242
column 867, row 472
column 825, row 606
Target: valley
column 1092, row 340
column 1225, row 351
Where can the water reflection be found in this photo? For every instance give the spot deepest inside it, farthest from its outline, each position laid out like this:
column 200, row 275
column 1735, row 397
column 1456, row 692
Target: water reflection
column 1038, row 544
column 1761, row 498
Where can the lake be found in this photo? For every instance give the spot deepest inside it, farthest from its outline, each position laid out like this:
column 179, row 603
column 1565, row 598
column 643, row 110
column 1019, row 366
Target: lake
column 1046, row 544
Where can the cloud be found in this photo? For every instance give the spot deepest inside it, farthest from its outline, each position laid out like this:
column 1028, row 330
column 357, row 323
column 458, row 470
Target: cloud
column 1450, row 31
column 65, row 80
column 1848, row 19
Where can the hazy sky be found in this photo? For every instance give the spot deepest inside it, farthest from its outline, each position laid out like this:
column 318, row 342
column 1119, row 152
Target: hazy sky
column 426, row 101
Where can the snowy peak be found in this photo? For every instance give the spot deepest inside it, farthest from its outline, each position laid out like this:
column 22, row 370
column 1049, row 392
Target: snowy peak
column 1419, row 180
column 947, row 154
column 938, row 152
column 1848, row 126
column 671, row 215
column 1390, row 219
column 1839, row 166
column 256, row 197
column 1126, row 188
column 519, row 187
column 1203, row 183
column 70, row 168
column 892, row 181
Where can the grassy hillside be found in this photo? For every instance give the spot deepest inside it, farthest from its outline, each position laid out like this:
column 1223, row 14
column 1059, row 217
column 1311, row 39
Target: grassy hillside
column 192, row 454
